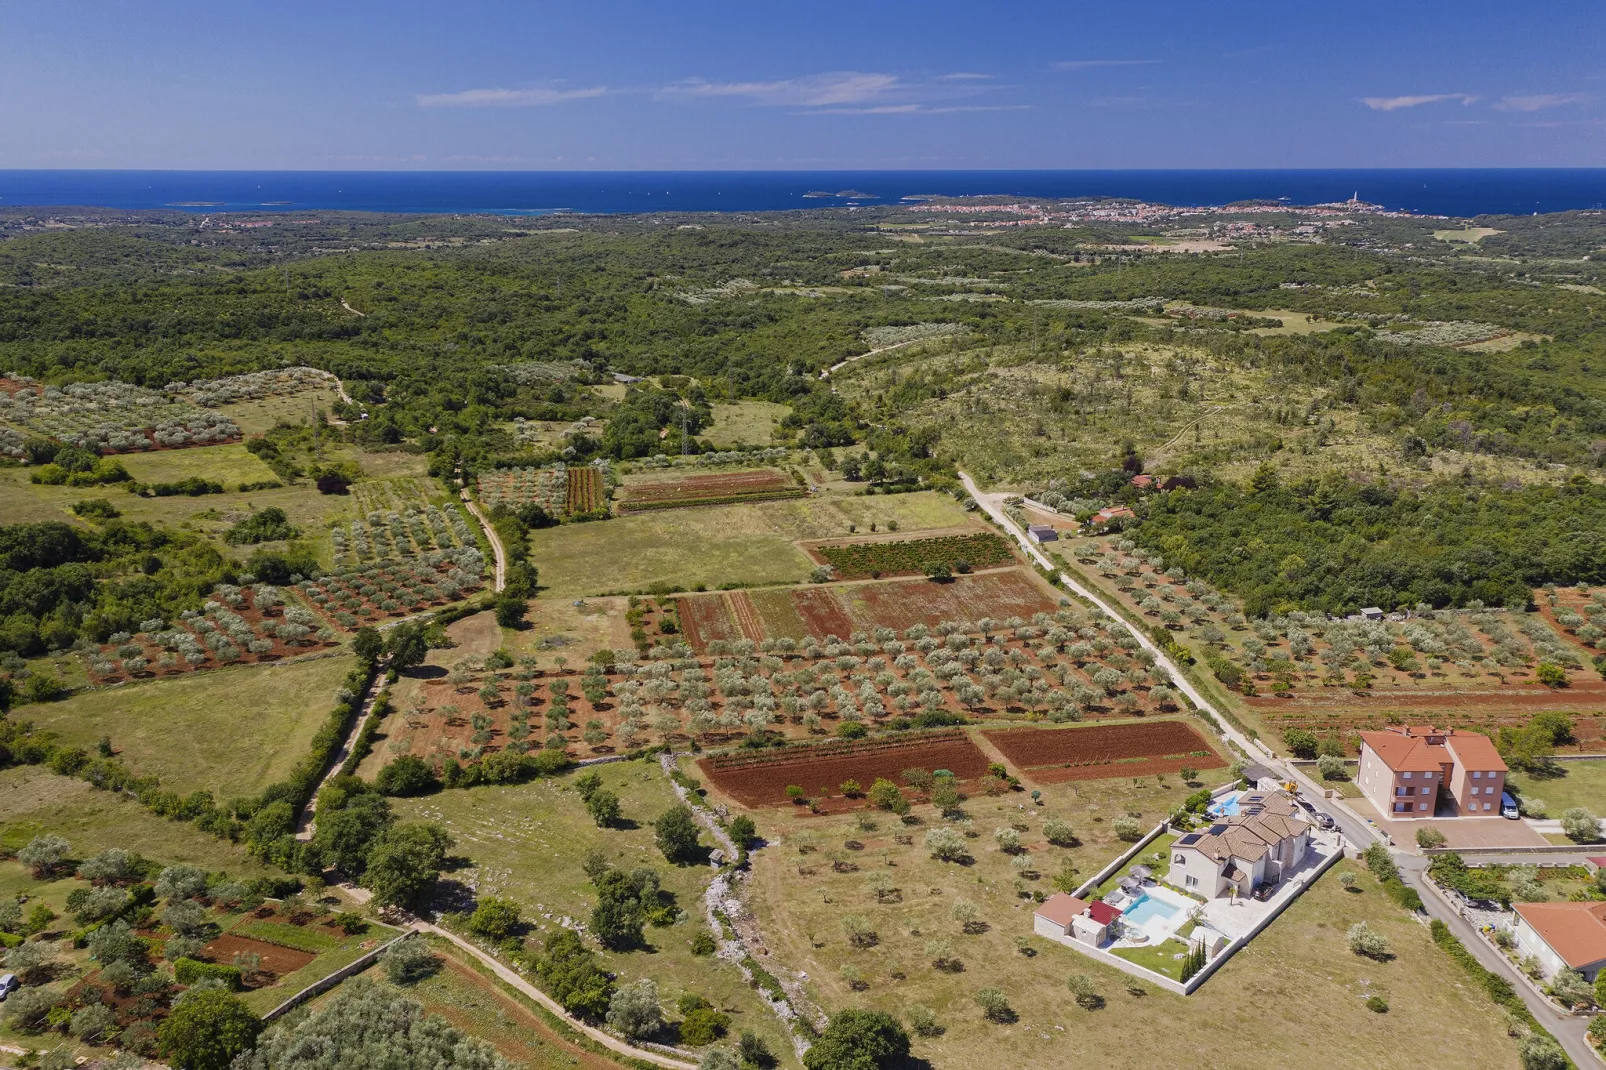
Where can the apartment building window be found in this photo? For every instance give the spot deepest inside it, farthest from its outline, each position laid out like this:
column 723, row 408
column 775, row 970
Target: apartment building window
column 1192, row 882
column 1405, row 776
column 1424, row 806
column 1476, row 775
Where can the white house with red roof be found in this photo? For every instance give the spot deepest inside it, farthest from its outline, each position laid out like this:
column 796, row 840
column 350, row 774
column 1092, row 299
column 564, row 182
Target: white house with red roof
column 1563, row 935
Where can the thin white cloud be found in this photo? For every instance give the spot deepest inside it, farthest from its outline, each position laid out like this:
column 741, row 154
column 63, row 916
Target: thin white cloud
column 812, row 91
column 507, row 98
column 1086, row 64
column 963, row 76
column 1396, row 103
column 916, row 109
column 1538, row 101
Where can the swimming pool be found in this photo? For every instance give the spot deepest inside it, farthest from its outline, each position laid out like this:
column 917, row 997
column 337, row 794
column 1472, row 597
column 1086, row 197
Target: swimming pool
column 1147, row 908
column 1227, row 807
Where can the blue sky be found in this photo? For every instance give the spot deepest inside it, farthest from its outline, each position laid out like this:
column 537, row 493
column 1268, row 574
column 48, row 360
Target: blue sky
column 689, row 85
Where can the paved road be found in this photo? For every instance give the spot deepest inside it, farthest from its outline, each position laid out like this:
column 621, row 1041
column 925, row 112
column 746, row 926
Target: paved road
column 1569, row 1031
column 496, row 542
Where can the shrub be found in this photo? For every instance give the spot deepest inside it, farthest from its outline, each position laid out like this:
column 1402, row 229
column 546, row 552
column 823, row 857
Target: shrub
column 1363, row 940
column 1579, row 824
column 1429, row 838
column 1537, row 1052
column 571, row 975
column 719, row 1059
column 207, row 1029
column 994, row 1005
column 94, row 1024
column 859, row 1040
column 44, row 854
column 1377, row 1004
column 885, row 795
column 28, row 1009
column 634, row 1010
column 945, row 844
column 923, row 1021
column 1059, row 833
column 703, row 943
column 675, row 832
column 408, row 961
column 603, row 806
column 1332, row 767
column 407, row 775
column 495, row 918
column 1086, row 993
column 189, row 972
column 1127, row 829
column 1301, row 743
column 703, row 1025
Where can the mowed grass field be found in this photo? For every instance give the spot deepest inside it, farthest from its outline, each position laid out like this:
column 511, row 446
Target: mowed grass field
column 718, row 544
column 527, row 842
column 255, row 417
column 1294, row 997
column 232, row 731
column 1582, row 783
column 36, row 801
column 747, row 423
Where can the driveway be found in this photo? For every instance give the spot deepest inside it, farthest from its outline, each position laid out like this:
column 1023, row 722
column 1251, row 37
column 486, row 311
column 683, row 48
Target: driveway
column 1459, row 832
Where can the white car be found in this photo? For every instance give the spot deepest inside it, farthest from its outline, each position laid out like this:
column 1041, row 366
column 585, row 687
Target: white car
column 8, row 985
column 1508, row 806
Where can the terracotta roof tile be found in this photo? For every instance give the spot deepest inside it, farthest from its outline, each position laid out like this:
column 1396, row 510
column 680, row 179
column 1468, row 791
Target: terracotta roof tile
column 1060, row 908
column 1575, row 931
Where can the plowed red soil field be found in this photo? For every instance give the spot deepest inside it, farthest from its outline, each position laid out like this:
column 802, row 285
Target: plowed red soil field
column 706, row 618
column 709, row 489
column 764, row 782
column 280, row 960
column 1053, row 755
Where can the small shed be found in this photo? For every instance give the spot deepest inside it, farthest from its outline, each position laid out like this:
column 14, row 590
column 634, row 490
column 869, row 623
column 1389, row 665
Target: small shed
column 1055, row 915
column 1372, row 613
column 1041, row 533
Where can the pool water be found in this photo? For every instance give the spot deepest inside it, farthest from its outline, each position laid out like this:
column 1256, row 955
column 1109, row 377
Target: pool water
column 1147, row 909
column 1226, row 808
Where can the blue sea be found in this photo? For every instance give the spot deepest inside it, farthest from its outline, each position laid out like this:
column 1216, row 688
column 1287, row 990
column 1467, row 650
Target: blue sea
column 1434, row 192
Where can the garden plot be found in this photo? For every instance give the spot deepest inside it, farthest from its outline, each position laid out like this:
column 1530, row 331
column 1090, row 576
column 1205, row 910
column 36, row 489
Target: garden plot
column 1140, row 748
column 1478, row 666
column 560, row 490
column 757, row 780
column 724, row 488
column 874, row 558
column 237, row 624
column 110, row 417
column 396, row 520
column 358, row 594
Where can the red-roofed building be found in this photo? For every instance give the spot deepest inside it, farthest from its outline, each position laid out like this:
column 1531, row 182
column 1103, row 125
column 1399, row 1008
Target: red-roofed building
column 1143, row 481
column 1111, row 512
column 1065, row 917
column 1570, row 935
column 1403, row 769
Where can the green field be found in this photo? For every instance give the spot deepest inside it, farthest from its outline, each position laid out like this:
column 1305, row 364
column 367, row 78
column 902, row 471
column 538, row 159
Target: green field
column 714, row 545
column 255, row 417
column 527, row 842
column 1581, row 783
column 230, row 731
column 746, row 423
column 35, row 801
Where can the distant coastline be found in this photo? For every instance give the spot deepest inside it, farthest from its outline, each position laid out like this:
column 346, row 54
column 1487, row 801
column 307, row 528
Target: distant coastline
column 1460, row 193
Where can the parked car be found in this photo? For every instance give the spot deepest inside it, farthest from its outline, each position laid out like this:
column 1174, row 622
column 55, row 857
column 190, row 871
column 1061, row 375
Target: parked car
column 8, row 985
column 1508, row 806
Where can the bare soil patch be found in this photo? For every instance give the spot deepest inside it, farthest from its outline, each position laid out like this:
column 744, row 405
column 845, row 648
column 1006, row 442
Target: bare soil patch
column 1053, row 755
column 757, row 781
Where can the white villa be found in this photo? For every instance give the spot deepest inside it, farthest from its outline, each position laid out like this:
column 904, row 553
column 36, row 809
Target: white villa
column 1265, row 835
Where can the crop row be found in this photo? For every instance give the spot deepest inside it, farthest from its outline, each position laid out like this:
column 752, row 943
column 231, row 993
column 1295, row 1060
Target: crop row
column 862, row 559
column 913, row 740
column 728, row 499
column 355, row 593
column 235, row 622
column 110, row 417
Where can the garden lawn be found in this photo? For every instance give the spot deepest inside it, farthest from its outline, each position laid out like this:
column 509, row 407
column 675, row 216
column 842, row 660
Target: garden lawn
column 1161, row 958
column 1293, row 997
column 231, row 731
column 36, row 801
column 527, row 842
column 717, row 544
column 1582, row 783
column 1155, row 855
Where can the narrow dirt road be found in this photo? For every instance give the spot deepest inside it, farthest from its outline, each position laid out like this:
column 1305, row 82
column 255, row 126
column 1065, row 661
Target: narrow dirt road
column 309, row 823
column 502, row 972
column 496, row 542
